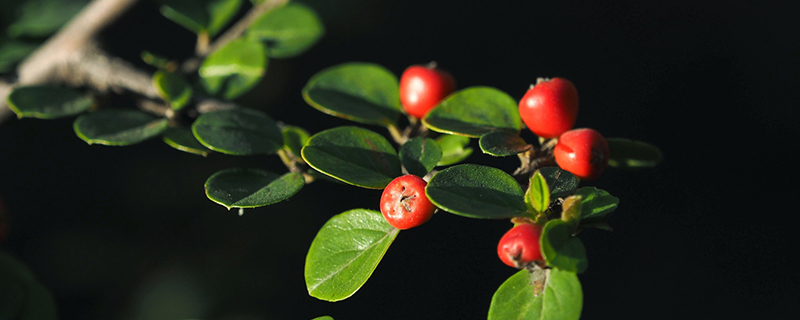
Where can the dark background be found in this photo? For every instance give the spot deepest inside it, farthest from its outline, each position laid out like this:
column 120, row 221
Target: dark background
column 127, row 233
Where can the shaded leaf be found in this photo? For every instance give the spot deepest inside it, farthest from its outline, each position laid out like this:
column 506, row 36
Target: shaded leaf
column 502, row 143
column 631, row 154
column 420, row 155
column 118, row 127
column 47, row 102
column 561, row 182
column 41, row 18
column 12, row 52
column 234, row 69
column 561, row 298
column 475, row 111
column 454, row 149
column 288, row 31
column 172, row 88
column 239, row 131
column 182, row 139
column 561, row 249
column 476, row 191
column 201, row 15
column 294, row 139
column 251, row 188
column 22, row 295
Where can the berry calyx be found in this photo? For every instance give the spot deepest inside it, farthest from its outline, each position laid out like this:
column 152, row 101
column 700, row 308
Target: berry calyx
column 520, row 246
column 423, row 87
column 583, row 152
column 404, row 203
column 550, row 107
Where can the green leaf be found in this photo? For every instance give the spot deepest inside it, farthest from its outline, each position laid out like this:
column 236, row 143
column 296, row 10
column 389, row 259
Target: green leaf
column 234, row 69
column 561, row 298
column 239, row 131
column 476, row 191
column 361, row 92
column 47, row 102
column 502, row 143
column 22, row 295
column 157, row 61
column 453, row 149
column 118, row 127
column 323, row 318
column 420, row 155
column 596, row 202
column 182, row 139
column 632, row 154
column 353, row 155
column 201, row 15
column 561, row 249
column 251, row 188
column 41, row 18
column 289, row 30
column 294, row 138
column 345, row 252
column 475, row 111
column 538, row 193
column 172, row 88
column 12, row 52
column 561, row 182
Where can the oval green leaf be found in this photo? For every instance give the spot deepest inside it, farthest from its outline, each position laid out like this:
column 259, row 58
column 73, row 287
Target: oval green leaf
column 251, row 188
column 476, row 191
column 474, row 112
column 41, row 18
column 118, row 127
column 632, row 154
column 172, row 88
column 182, row 139
column 239, row 131
column 234, row 69
column 596, row 202
column 157, row 61
column 561, row 249
column 361, row 92
column 288, row 31
column 560, row 299
column 420, row 155
column 454, row 149
column 47, row 102
column 345, row 252
column 502, row 144
column 538, row 194
column 353, row 155
column 201, row 15
column 561, row 183
column 12, row 51
column 294, row 138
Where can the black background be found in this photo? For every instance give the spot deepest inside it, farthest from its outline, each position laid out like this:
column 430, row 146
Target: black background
column 127, row 233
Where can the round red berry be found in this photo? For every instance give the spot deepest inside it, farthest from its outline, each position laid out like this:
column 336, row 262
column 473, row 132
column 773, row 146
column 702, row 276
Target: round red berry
column 550, row 107
column 582, row 152
column 404, row 203
column 520, row 247
column 423, row 87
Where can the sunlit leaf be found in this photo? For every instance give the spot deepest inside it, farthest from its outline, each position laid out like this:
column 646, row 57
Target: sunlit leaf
column 560, row 299
column 289, row 30
column 172, row 88
column 474, row 112
column 234, row 69
column 476, row 191
column 251, row 188
column 561, row 249
column 454, row 149
column 200, row 15
column 502, row 143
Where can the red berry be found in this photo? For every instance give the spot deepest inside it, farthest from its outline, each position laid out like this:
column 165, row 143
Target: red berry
column 404, row 203
column 550, row 107
column 520, row 247
column 582, row 152
column 423, row 87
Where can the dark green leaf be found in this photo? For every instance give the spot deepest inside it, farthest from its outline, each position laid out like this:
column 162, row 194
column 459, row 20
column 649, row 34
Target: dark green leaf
column 453, row 149
column 12, row 52
column 201, row 15
column 596, row 202
column 182, row 139
column 561, row 249
column 251, row 188
column 288, row 31
column 234, row 69
column 538, row 193
column 41, row 18
column 561, row 182
column 561, row 298
column 47, row 102
column 626, row 153
column 502, row 143
column 345, row 252
column 476, row 191
column 22, row 296
column 361, row 92
column 118, row 127
column 240, row 131
column 475, row 111
column 420, row 155
column 353, row 155
column 294, row 138
column 172, row 88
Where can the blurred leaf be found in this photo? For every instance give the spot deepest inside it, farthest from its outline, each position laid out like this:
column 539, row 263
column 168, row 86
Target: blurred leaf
column 41, row 18
column 420, row 155
column 294, row 139
column 181, row 138
column 288, row 31
column 323, row 318
column 172, row 88
column 538, row 193
column 12, row 52
column 353, row 155
column 476, row 191
column 475, row 111
column 251, row 188
column 596, row 202
column 118, row 127
column 201, row 15
column 158, row 61
column 361, row 92
column 22, row 296
column 47, row 102
column 239, row 131
column 561, row 249
column 345, row 252
column 631, row 154
column 561, row 298
column 502, row 143
column 234, row 69
column 453, row 149
column 571, row 209
column 561, row 182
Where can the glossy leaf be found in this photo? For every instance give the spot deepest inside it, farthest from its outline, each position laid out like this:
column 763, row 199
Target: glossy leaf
column 345, row 252
column 240, row 131
column 41, row 18
column 361, row 92
column 561, row 298
column 251, row 188
column 596, row 202
column 22, row 295
column 118, row 127
column 561, row 182
column 502, row 143
column 234, row 69
column 476, row 191
column 47, row 102
column 12, row 52
column 172, row 88
column 631, row 154
column 538, row 193
column 474, row 112
column 454, row 149
column 561, row 249
column 294, row 138
column 201, row 15
column 353, row 155
column 182, row 139
column 288, row 31
column 420, row 155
